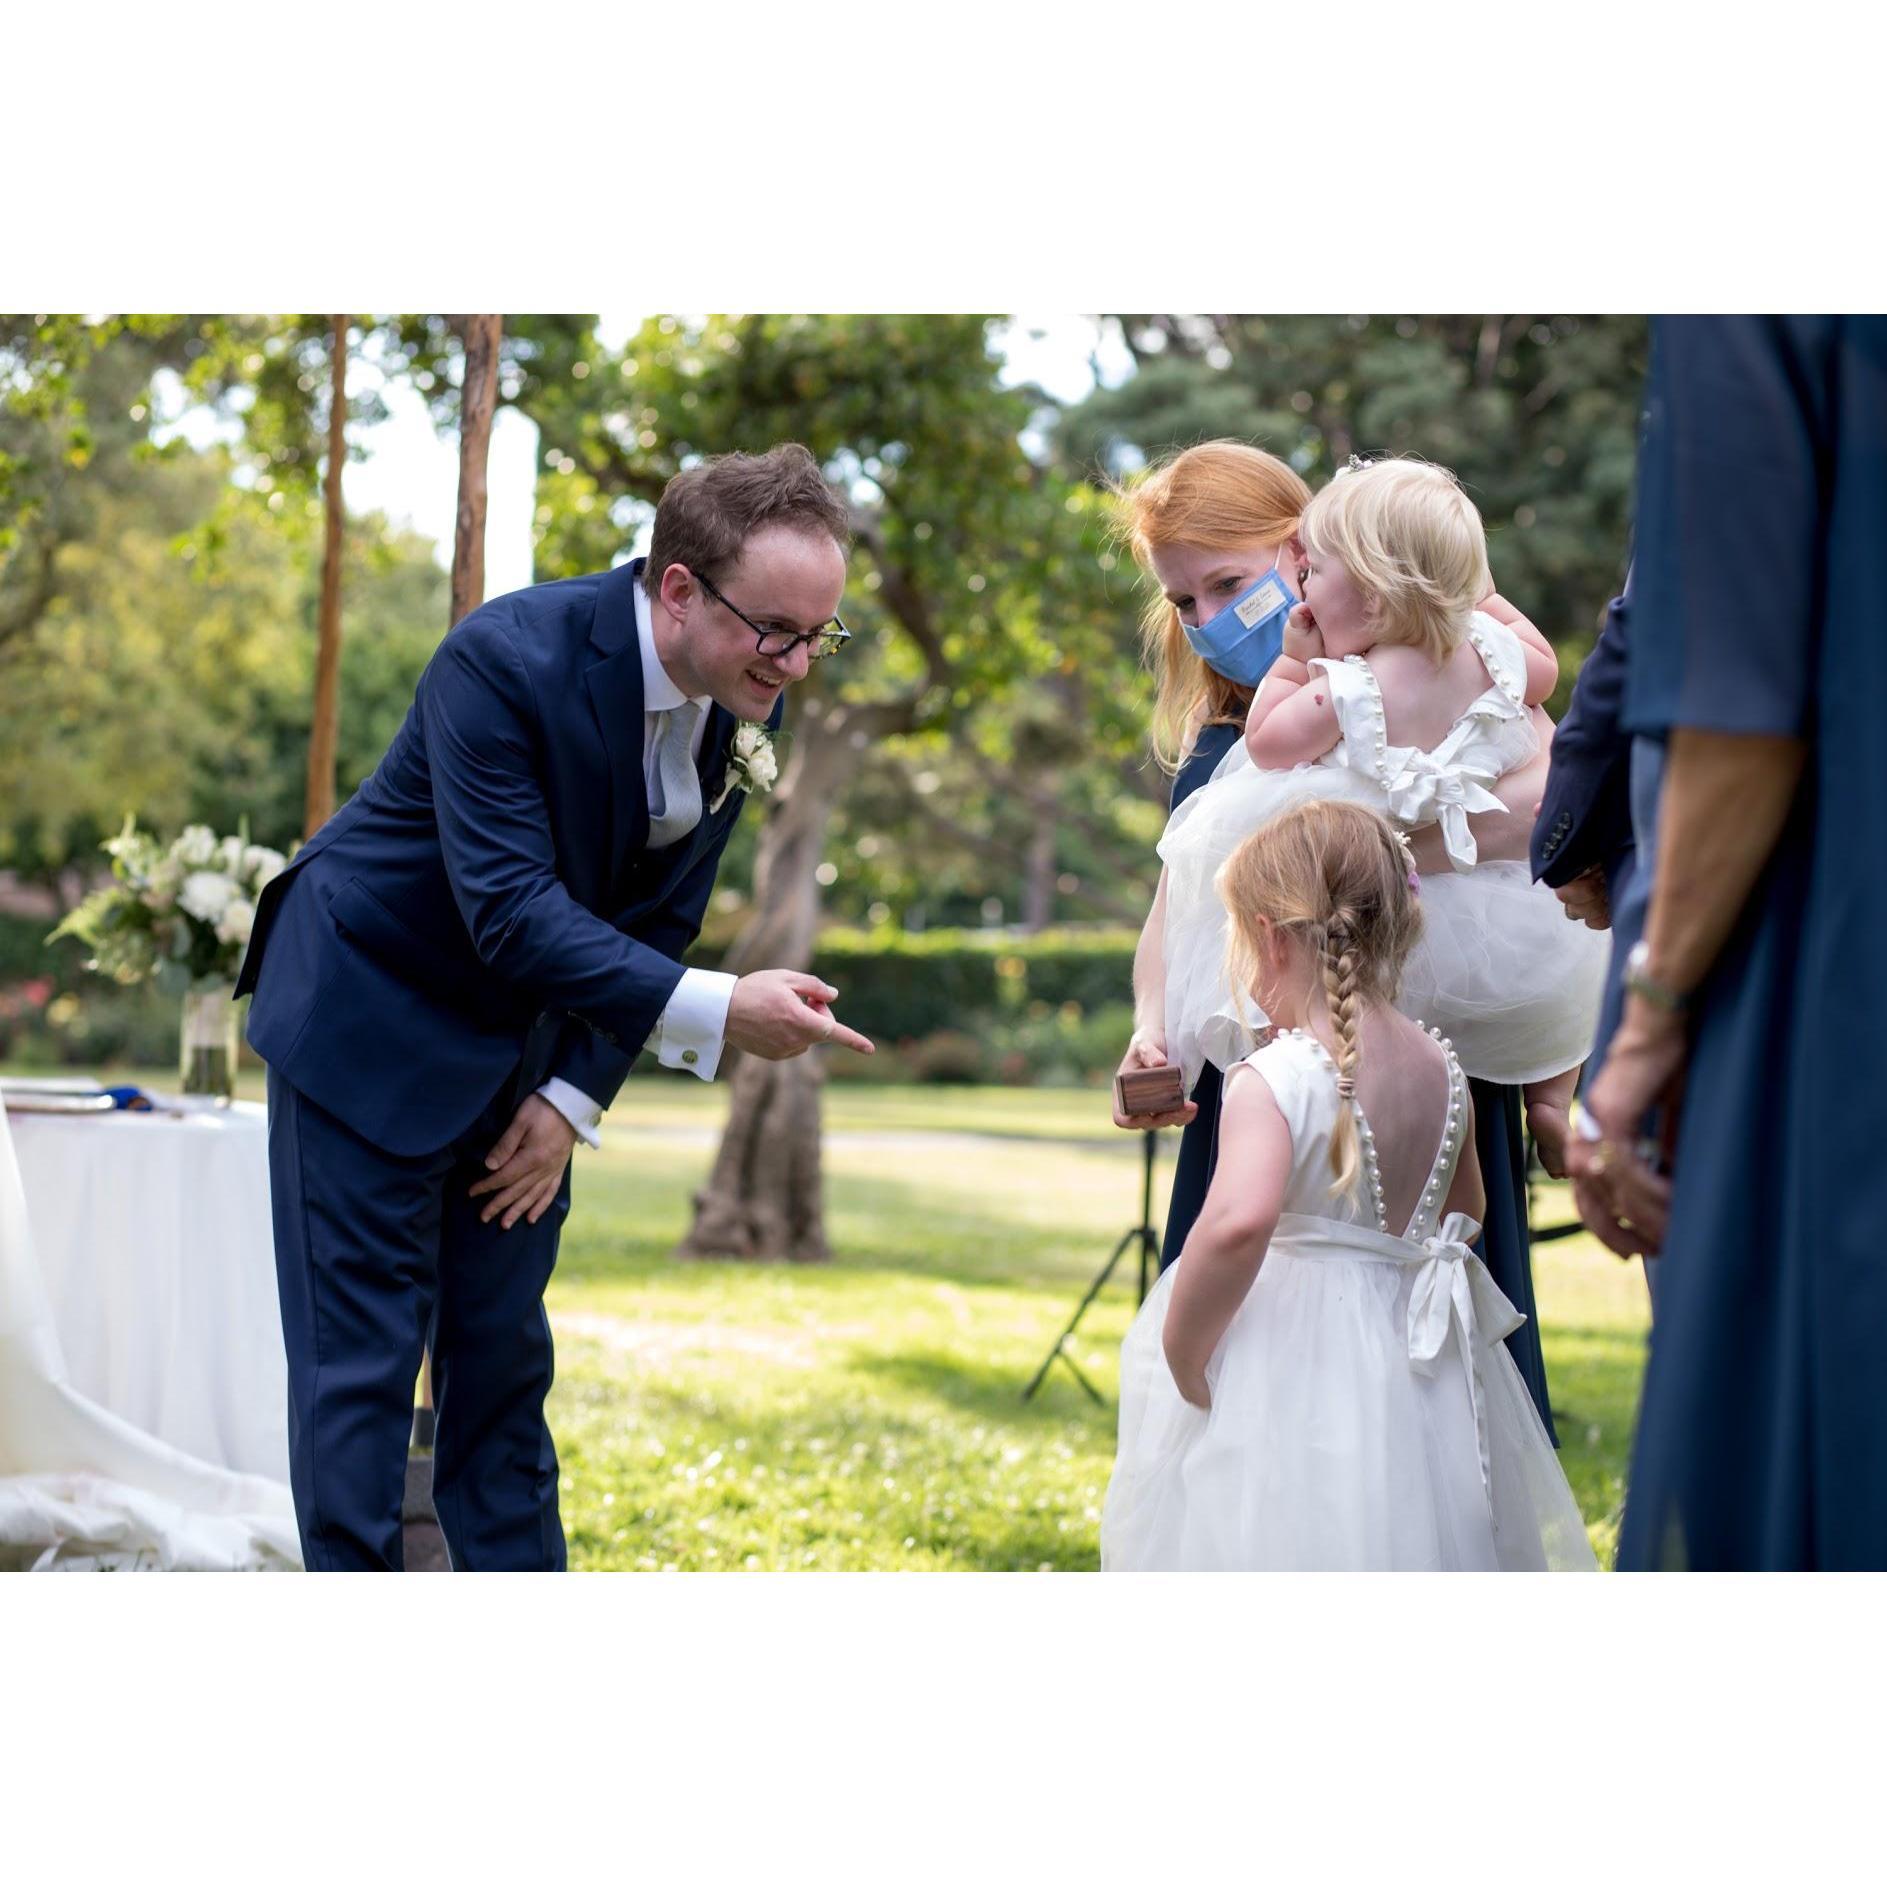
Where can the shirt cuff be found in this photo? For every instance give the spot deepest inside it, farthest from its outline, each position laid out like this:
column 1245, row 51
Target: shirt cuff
column 576, row 1107
column 693, row 1027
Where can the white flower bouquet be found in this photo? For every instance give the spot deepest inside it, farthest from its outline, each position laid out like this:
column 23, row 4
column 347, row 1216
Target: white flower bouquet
column 181, row 913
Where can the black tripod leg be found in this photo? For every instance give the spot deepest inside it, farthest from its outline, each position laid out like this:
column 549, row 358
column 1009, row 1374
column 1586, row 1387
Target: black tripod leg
column 1081, row 1379
column 1149, row 1238
column 1094, row 1291
column 1149, row 1242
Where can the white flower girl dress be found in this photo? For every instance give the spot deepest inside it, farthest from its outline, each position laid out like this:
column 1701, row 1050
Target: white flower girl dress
column 1365, row 1412
column 1498, row 968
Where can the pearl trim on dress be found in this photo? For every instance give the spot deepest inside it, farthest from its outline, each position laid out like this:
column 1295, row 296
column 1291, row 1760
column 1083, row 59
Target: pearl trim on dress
column 1446, row 1155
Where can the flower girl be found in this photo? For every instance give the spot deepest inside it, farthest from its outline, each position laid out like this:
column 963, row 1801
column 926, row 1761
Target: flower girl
column 1319, row 1381
column 1395, row 691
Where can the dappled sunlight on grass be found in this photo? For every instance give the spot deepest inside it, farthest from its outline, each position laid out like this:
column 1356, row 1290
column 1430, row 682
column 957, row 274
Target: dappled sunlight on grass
column 1022, row 1113
column 868, row 1412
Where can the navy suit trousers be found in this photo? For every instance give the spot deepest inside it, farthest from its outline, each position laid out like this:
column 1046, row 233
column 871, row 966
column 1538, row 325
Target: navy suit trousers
column 375, row 1252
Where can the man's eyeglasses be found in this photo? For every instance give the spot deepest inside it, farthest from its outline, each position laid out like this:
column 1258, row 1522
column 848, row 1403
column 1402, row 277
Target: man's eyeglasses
column 772, row 639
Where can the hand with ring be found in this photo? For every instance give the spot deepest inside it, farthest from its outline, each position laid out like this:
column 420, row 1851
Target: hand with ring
column 1623, row 1203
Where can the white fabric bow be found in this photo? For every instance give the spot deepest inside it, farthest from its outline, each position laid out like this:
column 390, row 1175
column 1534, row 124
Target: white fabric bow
column 1453, row 1287
column 1425, row 792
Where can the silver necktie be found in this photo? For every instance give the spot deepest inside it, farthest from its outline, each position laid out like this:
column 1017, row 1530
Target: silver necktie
column 675, row 805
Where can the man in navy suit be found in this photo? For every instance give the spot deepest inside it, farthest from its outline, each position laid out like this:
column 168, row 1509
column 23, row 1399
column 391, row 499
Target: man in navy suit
column 1597, row 814
column 1595, row 837
column 453, row 976
column 1582, row 837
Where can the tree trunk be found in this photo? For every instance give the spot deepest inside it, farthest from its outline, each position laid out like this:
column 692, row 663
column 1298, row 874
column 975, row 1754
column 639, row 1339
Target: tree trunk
column 765, row 1197
column 1038, row 891
column 323, row 733
column 478, row 395
column 1487, row 352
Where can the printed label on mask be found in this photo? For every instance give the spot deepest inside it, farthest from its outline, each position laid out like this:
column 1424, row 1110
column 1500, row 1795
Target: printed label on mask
column 1266, row 598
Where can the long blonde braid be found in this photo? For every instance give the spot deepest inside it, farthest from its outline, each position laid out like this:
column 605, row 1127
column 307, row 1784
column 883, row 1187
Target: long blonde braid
column 1337, row 960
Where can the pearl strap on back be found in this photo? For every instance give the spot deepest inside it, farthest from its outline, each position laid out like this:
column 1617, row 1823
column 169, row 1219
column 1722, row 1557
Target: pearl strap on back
column 1441, row 1169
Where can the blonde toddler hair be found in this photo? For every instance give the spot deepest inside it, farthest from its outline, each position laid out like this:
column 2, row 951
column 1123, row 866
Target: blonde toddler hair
column 1414, row 543
column 1221, row 495
column 1335, row 875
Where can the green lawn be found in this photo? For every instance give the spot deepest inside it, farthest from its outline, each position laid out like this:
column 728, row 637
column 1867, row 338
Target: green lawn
column 868, row 1412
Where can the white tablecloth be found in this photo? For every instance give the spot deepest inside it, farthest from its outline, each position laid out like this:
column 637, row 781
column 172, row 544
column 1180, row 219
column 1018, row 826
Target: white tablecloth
column 146, row 1249
column 158, row 1258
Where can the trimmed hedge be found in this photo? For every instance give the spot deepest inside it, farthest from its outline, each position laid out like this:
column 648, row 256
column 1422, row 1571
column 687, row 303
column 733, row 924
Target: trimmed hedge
column 24, row 952
column 901, row 986
column 959, row 1004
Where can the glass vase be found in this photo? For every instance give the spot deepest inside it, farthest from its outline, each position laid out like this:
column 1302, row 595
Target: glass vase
column 207, row 1062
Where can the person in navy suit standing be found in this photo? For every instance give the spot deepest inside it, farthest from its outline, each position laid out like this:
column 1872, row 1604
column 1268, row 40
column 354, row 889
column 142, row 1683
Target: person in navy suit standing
column 454, row 974
column 1583, row 843
column 1595, row 844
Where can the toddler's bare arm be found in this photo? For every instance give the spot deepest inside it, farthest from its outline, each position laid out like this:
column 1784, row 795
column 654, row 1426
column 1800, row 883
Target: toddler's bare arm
column 1542, row 660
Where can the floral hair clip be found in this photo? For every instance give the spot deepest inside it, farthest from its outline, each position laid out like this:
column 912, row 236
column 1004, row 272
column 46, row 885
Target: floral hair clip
column 1414, row 877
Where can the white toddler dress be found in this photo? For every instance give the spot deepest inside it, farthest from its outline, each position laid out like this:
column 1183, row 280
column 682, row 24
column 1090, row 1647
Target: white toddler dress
column 1365, row 1412
column 1499, row 966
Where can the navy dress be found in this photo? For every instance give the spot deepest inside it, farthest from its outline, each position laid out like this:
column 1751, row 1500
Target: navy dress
column 1199, row 1138
column 1506, row 1244
column 1761, row 608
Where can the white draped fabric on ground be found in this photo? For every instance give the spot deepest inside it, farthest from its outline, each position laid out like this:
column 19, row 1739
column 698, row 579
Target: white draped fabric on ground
column 81, row 1486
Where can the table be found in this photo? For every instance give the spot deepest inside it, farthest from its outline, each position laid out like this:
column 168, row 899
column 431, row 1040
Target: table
column 156, row 1249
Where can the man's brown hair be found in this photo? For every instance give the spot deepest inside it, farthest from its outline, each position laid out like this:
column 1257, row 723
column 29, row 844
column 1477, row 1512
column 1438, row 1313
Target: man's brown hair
column 708, row 512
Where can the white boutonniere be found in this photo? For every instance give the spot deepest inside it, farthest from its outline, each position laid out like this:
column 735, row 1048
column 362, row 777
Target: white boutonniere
column 752, row 766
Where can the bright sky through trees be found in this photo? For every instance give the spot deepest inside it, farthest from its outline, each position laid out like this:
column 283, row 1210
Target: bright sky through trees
column 411, row 473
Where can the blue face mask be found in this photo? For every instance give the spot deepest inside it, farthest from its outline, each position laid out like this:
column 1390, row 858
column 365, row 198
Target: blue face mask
column 1246, row 636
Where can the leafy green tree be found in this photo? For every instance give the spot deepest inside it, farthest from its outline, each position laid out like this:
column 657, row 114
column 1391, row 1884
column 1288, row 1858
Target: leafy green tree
column 174, row 682
column 158, row 615
column 76, row 412
column 974, row 573
column 79, row 401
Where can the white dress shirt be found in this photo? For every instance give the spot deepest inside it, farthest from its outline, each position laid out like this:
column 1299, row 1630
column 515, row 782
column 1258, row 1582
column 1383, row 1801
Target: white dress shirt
column 691, row 1031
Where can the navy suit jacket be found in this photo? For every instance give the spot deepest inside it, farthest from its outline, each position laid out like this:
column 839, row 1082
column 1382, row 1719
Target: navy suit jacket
column 1585, row 811
column 486, row 909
